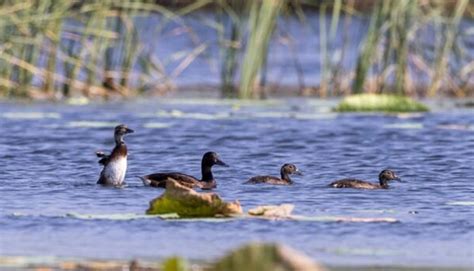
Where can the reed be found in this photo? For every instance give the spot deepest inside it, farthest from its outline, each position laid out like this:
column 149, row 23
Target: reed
column 261, row 23
column 95, row 43
column 52, row 49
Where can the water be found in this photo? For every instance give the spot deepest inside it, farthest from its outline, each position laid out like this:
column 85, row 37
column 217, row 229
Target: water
column 49, row 170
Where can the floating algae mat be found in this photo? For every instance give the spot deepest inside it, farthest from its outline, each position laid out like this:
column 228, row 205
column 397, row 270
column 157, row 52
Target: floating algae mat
column 269, row 212
column 379, row 103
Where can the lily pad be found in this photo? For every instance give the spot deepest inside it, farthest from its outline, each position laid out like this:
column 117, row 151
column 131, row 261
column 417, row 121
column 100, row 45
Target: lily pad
column 379, row 103
column 188, row 203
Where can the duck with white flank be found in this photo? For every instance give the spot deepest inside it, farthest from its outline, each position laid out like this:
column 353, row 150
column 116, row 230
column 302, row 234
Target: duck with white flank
column 285, row 172
column 207, row 181
column 115, row 164
column 384, row 177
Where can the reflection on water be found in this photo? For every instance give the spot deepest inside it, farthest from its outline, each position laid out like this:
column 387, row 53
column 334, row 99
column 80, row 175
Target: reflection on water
column 49, row 197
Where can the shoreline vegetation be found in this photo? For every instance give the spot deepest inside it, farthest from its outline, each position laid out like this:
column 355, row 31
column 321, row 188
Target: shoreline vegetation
column 251, row 256
column 54, row 50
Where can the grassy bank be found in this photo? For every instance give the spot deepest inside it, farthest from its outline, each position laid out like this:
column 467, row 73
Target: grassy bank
column 58, row 49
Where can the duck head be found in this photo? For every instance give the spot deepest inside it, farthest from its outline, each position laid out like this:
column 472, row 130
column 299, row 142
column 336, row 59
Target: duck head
column 120, row 131
column 210, row 159
column 289, row 169
column 387, row 175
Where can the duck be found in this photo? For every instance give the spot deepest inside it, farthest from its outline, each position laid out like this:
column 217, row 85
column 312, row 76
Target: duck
column 285, row 172
column 115, row 164
column 385, row 176
column 207, row 182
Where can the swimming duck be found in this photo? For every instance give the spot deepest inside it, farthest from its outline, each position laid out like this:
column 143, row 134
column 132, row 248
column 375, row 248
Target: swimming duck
column 384, row 177
column 207, row 181
column 115, row 164
column 285, row 171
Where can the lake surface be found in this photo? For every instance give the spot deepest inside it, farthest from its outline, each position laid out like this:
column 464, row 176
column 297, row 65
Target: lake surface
column 49, row 171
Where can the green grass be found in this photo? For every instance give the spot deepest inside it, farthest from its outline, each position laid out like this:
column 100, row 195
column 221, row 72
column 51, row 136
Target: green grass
column 379, row 103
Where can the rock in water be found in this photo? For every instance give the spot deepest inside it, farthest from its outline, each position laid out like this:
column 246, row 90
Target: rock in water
column 188, row 203
column 266, row 257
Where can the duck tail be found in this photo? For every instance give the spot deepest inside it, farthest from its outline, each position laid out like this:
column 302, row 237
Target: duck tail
column 145, row 181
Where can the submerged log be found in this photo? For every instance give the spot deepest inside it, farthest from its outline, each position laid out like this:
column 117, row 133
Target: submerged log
column 186, row 202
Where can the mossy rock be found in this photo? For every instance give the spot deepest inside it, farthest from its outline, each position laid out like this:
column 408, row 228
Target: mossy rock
column 175, row 264
column 188, row 203
column 265, row 257
column 379, row 103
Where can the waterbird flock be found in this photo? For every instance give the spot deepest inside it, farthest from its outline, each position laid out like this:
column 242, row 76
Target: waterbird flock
column 115, row 167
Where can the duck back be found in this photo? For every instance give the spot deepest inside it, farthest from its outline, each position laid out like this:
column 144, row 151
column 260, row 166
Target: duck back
column 354, row 183
column 159, row 179
column 266, row 179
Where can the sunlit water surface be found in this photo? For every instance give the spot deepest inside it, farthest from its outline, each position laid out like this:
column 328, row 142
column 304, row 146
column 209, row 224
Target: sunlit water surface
column 49, row 171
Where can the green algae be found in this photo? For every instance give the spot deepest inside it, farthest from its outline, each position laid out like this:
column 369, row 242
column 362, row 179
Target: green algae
column 379, row 103
column 175, row 264
column 184, row 208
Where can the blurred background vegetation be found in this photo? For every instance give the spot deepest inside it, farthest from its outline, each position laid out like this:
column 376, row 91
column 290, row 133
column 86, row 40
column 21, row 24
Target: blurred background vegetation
column 56, row 49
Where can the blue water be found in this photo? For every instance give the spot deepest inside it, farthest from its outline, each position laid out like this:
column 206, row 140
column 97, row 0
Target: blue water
column 49, row 170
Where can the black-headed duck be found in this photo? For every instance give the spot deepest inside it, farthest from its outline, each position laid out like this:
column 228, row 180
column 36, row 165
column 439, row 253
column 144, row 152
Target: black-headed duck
column 207, row 181
column 115, row 164
column 384, row 177
column 285, row 172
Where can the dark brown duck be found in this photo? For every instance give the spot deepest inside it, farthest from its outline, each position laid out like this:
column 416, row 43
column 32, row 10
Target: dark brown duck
column 207, row 181
column 285, row 172
column 115, row 164
column 385, row 177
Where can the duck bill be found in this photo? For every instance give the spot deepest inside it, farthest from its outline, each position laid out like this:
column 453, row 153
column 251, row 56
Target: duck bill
column 298, row 172
column 129, row 131
column 398, row 179
column 221, row 163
